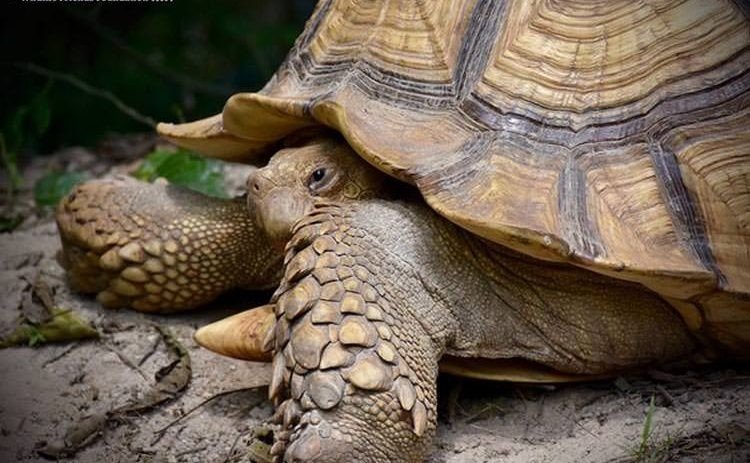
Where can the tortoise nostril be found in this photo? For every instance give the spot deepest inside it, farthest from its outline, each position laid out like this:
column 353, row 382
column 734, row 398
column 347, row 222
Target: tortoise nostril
column 254, row 183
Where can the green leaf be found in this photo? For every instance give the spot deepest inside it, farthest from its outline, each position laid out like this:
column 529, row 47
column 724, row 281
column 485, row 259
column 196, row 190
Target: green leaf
column 647, row 430
column 184, row 168
column 64, row 326
column 35, row 336
column 51, row 188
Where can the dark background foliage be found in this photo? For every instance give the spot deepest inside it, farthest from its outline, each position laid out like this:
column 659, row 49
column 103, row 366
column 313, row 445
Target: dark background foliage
column 169, row 60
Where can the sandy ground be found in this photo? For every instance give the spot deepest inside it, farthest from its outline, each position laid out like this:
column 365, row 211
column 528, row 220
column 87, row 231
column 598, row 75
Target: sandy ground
column 700, row 414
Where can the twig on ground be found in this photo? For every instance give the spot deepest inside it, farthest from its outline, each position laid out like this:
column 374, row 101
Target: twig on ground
column 62, row 354
column 189, row 451
column 128, row 363
column 160, row 432
column 151, row 351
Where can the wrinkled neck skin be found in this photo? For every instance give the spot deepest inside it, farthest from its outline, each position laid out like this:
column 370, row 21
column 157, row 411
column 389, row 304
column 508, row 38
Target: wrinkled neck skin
column 477, row 299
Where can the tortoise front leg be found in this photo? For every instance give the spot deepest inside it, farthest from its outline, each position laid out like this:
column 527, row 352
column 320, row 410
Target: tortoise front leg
column 158, row 247
column 355, row 362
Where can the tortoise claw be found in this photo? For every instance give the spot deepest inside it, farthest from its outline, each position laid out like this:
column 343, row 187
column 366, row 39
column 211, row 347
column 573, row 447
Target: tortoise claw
column 242, row 336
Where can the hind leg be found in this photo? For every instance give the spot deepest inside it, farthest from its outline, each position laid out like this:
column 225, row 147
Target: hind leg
column 160, row 248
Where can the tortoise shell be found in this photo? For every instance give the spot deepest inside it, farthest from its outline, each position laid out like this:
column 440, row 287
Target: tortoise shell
column 612, row 135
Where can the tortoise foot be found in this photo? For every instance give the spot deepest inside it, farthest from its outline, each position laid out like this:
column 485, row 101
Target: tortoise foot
column 157, row 247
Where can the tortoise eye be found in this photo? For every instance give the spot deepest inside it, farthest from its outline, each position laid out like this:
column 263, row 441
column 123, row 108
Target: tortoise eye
column 318, row 175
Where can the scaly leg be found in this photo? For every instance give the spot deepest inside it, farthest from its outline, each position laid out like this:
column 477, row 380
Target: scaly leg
column 374, row 293
column 354, row 370
column 160, row 248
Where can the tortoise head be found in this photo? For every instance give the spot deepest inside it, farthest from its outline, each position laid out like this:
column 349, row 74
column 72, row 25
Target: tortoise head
column 283, row 192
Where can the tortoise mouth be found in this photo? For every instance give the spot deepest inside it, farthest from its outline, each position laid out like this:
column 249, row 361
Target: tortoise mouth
column 277, row 211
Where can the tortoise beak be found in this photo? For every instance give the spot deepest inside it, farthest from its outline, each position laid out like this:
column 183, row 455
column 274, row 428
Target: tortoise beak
column 276, row 208
column 278, row 211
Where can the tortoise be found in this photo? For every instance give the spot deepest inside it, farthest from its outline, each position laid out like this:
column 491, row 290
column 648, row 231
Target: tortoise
column 577, row 204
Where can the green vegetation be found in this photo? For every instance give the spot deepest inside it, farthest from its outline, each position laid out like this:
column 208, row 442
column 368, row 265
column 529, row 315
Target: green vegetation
column 51, row 188
column 651, row 449
column 63, row 326
column 648, row 429
column 184, row 168
column 66, row 65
